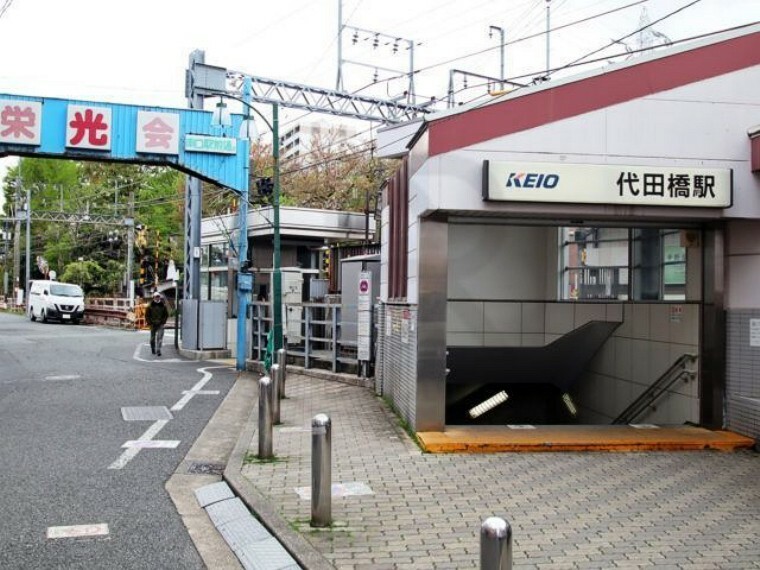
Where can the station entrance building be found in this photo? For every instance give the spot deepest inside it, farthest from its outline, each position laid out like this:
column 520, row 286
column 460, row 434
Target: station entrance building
column 558, row 251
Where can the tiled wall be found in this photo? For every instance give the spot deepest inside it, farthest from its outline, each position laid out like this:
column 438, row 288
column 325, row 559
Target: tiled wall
column 396, row 369
column 650, row 338
column 742, row 374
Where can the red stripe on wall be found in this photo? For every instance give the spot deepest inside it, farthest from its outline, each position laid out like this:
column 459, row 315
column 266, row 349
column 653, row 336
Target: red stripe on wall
column 586, row 95
column 755, row 142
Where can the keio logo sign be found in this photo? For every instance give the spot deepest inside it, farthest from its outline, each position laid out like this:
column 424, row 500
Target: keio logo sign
column 532, row 180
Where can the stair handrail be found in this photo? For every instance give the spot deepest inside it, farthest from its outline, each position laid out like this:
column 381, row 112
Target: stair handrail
column 655, row 391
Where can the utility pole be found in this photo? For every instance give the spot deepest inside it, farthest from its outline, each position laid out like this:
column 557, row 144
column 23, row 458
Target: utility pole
column 502, row 44
column 548, row 27
column 191, row 320
column 16, row 240
column 6, row 226
column 339, row 82
column 130, row 223
column 28, row 212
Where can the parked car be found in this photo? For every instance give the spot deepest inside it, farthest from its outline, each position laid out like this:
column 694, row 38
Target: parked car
column 53, row 300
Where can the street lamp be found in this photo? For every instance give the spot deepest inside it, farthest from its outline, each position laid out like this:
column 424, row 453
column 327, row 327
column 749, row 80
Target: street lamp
column 246, row 129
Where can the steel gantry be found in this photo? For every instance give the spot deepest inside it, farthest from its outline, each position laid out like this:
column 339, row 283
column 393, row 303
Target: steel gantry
column 308, row 98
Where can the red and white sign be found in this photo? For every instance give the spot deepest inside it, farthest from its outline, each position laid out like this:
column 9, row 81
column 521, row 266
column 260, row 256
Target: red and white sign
column 88, row 127
column 20, row 122
column 157, row 132
column 364, row 316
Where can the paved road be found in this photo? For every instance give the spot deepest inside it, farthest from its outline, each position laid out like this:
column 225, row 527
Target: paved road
column 62, row 389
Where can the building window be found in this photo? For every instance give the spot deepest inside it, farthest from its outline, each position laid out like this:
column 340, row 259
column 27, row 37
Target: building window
column 643, row 264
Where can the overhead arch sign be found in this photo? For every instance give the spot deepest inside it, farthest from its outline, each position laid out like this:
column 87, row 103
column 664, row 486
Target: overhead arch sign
column 85, row 130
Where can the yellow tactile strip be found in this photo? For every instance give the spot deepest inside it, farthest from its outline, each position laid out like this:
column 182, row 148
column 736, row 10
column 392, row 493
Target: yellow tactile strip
column 486, row 439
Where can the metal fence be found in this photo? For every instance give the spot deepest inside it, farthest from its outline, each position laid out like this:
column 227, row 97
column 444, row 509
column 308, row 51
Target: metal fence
column 313, row 334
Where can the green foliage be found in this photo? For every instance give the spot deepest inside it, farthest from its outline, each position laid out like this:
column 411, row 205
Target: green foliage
column 87, row 274
column 80, row 188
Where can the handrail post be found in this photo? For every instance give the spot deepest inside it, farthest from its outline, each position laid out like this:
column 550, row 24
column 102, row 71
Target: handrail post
column 307, row 339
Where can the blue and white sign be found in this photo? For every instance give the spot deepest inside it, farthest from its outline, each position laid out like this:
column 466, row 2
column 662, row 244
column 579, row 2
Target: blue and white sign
column 85, row 130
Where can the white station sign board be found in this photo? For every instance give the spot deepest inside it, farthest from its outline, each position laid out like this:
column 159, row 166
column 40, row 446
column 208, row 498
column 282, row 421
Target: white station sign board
column 607, row 184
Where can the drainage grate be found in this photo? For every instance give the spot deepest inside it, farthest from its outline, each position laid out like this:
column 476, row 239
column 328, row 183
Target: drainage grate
column 204, row 468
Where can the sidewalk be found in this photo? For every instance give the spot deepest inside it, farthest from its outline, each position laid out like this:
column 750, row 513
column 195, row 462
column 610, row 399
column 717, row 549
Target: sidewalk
column 694, row 510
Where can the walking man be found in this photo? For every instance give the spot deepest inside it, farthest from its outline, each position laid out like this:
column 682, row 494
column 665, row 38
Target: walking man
column 157, row 315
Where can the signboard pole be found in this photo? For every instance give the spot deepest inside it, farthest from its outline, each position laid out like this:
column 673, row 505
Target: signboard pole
column 364, row 318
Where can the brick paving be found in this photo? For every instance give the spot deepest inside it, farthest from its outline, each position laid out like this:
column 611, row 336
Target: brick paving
column 687, row 510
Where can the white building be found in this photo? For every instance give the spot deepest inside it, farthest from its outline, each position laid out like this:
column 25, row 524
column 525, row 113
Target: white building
column 597, row 229
column 298, row 140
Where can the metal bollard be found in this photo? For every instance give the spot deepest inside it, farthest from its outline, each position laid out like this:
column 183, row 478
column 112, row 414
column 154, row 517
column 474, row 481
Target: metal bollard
column 265, row 418
column 282, row 360
column 495, row 544
column 321, row 471
column 275, row 393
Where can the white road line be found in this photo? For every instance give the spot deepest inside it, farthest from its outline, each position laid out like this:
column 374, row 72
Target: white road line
column 152, row 444
column 63, row 377
column 188, row 394
column 130, row 453
column 136, row 356
column 77, row 531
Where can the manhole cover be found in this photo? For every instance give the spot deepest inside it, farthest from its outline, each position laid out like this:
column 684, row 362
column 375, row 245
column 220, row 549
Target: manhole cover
column 202, row 468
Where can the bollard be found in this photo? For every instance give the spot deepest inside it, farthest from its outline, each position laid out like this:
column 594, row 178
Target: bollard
column 282, row 360
column 265, row 418
column 495, row 544
column 321, row 475
column 275, row 375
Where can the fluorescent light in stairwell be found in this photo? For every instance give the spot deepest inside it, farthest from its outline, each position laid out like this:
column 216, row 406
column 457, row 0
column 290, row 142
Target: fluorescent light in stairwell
column 489, row 404
column 570, row 405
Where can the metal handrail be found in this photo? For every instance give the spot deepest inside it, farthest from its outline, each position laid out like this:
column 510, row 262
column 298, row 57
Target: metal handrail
column 673, row 374
column 312, row 345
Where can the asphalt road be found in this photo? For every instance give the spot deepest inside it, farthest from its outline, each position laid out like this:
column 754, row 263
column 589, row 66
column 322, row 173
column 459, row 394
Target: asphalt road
column 62, row 390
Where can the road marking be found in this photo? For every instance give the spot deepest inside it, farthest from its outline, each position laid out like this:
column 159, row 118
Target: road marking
column 132, row 452
column 63, row 377
column 197, row 389
column 152, row 444
column 77, row 531
column 202, row 392
column 138, row 349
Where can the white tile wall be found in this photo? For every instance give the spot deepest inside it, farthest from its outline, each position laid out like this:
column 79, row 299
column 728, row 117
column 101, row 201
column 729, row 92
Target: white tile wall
column 503, row 318
column 502, row 339
column 534, row 318
column 464, row 316
column 659, row 323
column 560, row 318
column 587, row 312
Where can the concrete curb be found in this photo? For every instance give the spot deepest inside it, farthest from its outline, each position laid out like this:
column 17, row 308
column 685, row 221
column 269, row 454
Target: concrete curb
column 298, row 547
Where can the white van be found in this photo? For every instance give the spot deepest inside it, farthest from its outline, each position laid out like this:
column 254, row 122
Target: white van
column 55, row 300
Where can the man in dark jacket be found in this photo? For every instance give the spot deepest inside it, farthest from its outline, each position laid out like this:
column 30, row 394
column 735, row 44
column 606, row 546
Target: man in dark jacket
column 156, row 315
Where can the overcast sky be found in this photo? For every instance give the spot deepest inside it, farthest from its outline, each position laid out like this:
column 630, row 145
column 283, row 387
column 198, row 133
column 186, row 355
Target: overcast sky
column 136, row 52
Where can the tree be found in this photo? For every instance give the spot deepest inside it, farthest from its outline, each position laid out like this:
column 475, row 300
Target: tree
column 335, row 174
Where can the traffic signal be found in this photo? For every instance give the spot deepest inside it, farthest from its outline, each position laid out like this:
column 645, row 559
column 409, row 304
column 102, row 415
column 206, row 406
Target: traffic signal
column 326, row 261
column 264, row 186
